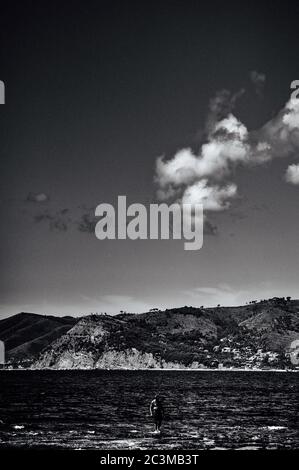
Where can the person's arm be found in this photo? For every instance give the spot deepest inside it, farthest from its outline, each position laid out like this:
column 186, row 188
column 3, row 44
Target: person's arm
column 151, row 406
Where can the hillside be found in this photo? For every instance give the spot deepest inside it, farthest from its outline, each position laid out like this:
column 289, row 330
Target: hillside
column 26, row 334
column 257, row 335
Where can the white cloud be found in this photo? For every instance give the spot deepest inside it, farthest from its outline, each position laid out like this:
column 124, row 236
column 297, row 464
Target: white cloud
column 282, row 132
column 213, row 198
column 204, row 176
column 291, row 118
column 226, row 146
column 195, row 176
column 292, row 174
column 232, row 126
column 222, row 294
column 220, row 106
column 183, row 168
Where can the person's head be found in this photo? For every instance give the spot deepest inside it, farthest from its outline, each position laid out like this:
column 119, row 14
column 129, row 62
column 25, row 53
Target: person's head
column 157, row 397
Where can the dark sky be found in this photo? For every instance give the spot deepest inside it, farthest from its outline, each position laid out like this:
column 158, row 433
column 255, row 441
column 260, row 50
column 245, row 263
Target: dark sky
column 95, row 92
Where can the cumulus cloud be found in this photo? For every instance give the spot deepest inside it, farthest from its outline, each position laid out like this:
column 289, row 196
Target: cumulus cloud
column 291, row 117
column 181, row 169
column 292, row 174
column 227, row 145
column 205, row 176
column 199, row 177
column 281, row 133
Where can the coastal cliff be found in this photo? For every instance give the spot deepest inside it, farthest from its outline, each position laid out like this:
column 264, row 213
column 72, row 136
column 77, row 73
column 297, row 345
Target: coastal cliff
column 256, row 336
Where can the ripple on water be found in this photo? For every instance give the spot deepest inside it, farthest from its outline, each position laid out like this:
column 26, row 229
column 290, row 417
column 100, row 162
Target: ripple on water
column 102, row 409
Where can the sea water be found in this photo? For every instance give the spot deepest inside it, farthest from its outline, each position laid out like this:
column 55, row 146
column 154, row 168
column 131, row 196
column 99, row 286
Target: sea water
column 110, row 409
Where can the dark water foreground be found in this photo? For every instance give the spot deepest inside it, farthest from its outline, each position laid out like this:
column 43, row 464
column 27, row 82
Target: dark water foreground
column 109, row 409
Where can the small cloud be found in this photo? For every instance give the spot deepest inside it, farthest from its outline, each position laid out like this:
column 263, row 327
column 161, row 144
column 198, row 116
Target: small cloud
column 61, row 220
column 258, row 80
column 57, row 221
column 42, row 217
column 292, row 174
column 87, row 223
column 37, row 197
column 209, row 228
column 59, row 224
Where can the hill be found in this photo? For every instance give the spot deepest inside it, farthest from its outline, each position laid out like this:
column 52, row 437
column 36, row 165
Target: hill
column 258, row 335
column 26, row 334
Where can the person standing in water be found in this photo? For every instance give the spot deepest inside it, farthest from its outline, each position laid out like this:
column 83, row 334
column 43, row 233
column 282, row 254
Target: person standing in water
column 157, row 412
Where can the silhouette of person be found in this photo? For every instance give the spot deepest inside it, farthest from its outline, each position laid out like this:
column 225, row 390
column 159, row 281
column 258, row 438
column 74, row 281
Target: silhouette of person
column 157, row 412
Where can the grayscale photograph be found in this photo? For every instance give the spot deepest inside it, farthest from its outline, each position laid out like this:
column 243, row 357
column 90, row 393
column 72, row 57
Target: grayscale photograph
column 149, row 241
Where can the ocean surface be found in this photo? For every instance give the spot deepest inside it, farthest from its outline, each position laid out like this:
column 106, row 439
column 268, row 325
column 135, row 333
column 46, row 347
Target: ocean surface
column 110, row 409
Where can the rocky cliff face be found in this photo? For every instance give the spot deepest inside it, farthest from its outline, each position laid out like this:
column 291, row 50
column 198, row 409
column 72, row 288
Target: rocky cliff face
column 258, row 335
